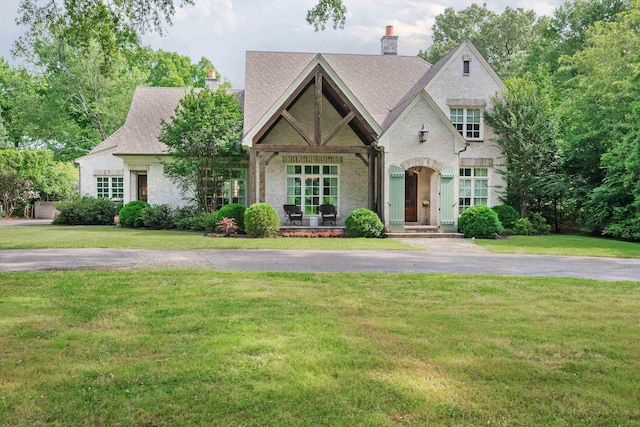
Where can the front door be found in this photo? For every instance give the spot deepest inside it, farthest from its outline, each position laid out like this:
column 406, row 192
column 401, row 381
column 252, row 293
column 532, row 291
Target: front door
column 410, row 197
column 142, row 187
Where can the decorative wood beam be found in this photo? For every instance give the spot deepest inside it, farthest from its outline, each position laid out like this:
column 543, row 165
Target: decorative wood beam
column 345, row 121
column 287, row 103
column 298, row 127
column 318, row 127
column 271, row 158
column 262, row 176
column 361, row 157
column 312, row 149
column 330, row 84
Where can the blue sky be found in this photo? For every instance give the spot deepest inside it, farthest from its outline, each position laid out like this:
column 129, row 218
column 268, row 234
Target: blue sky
column 223, row 30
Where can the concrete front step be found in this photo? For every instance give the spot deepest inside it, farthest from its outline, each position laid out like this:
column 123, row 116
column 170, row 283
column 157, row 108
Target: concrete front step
column 427, row 235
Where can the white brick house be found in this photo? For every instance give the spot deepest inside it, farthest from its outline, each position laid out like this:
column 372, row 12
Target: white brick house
column 390, row 133
column 128, row 164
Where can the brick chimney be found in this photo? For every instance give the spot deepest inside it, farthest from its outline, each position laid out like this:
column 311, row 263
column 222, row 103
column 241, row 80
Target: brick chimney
column 211, row 81
column 389, row 42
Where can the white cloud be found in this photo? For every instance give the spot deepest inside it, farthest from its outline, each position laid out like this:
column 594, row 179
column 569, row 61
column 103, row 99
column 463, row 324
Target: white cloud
column 216, row 15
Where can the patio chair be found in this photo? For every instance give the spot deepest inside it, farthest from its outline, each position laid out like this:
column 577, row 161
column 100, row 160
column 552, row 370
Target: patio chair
column 328, row 213
column 293, row 213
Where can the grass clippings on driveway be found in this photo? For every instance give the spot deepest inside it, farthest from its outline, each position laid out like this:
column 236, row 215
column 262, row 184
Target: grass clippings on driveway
column 294, row 349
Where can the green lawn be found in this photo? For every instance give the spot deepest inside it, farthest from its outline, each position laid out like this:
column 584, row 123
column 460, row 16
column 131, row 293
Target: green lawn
column 49, row 236
column 570, row 245
column 295, row 349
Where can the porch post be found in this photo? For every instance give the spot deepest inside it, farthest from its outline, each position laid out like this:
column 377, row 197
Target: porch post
column 252, row 176
column 372, row 179
column 262, row 177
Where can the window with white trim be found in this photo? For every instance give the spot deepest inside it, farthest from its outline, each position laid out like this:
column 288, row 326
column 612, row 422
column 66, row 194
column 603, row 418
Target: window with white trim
column 309, row 186
column 474, row 188
column 110, row 187
column 468, row 122
column 234, row 190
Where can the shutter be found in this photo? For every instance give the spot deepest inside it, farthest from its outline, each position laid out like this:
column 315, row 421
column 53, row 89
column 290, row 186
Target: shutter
column 447, row 199
column 396, row 198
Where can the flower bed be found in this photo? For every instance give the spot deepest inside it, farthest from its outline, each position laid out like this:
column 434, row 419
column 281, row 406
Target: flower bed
column 312, row 234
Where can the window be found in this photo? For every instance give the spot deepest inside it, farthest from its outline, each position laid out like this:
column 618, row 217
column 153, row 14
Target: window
column 110, row 187
column 235, row 189
column 465, row 67
column 474, row 187
column 309, row 186
column 467, row 121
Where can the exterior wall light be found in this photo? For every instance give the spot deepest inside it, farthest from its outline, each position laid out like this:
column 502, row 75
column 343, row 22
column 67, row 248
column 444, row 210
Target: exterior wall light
column 423, row 134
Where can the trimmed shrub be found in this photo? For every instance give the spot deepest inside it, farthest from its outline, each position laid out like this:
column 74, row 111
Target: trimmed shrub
column 479, row 221
column 86, row 210
column 131, row 213
column 158, row 217
column 507, row 215
column 261, row 220
column 232, row 210
column 363, row 223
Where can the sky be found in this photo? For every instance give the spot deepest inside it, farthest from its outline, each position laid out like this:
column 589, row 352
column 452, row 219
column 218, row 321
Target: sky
column 223, row 30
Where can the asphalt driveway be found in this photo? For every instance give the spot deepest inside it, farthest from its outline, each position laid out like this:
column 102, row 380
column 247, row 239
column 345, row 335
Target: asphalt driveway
column 451, row 260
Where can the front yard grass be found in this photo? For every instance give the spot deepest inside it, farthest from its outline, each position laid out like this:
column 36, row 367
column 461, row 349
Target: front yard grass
column 64, row 237
column 179, row 347
column 563, row 244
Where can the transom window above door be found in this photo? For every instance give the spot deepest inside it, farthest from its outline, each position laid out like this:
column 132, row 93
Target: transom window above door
column 309, row 186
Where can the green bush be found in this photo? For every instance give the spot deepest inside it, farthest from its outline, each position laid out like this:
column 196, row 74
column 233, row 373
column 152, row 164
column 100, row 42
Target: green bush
column 86, row 210
column 232, row 210
column 507, row 215
column 131, row 213
column 185, row 218
column 261, row 220
column 158, row 217
column 522, row 227
column 207, row 222
column 479, row 221
column 363, row 223
column 539, row 223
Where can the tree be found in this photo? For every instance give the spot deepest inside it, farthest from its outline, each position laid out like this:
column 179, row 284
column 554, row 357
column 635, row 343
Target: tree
column 203, row 140
column 51, row 179
column 500, row 39
column 565, row 33
column 325, row 11
column 170, row 69
column 113, row 25
column 526, row 132
column 597, row 99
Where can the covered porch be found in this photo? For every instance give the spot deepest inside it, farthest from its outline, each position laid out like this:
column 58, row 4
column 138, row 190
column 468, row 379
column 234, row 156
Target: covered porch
column 316, row 148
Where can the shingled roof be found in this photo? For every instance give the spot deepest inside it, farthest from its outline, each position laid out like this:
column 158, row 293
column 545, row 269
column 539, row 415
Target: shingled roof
column 149, row 107
column 384, row 85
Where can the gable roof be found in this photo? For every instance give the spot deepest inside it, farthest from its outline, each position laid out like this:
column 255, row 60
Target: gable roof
column 445, row 60
column 149, row 107
column 381, row 84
